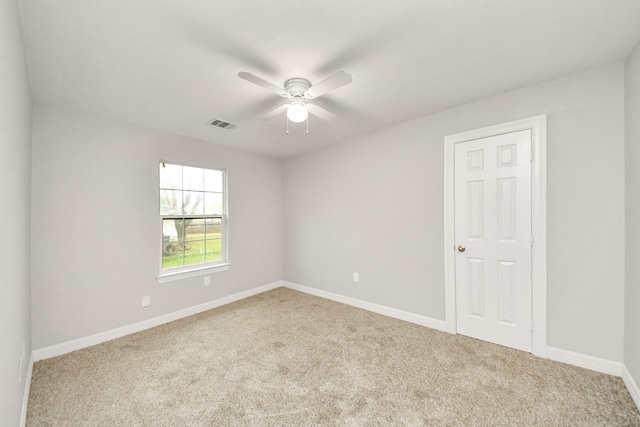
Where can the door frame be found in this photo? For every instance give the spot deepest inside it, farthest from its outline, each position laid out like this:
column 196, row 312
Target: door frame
column 538, row 127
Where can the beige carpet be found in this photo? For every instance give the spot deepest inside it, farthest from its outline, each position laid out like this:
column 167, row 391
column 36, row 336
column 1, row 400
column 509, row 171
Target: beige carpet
column 289, row 359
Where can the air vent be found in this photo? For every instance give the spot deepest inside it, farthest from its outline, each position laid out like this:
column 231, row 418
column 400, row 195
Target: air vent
column 222, row 124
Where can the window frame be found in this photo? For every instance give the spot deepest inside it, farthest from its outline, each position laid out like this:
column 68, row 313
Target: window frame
column 200, row 269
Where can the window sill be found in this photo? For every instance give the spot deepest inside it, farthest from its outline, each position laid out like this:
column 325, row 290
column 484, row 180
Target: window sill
column 185, row 274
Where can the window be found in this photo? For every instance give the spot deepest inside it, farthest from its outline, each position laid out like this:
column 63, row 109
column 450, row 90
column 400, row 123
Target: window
column 192, row 216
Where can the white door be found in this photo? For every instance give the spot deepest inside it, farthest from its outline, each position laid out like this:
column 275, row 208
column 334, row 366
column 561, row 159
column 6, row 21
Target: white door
column 492, row 224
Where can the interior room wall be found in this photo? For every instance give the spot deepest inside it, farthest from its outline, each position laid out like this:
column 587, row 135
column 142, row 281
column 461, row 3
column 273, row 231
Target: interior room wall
column 96, row 222
column 374, row 206
column 632, row 171
column 15, row 172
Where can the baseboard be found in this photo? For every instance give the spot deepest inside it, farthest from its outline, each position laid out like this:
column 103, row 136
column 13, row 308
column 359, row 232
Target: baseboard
column 632, row 386
column 577, row 359
column 597, row 364
column 80, row 343
column 25, row 396
column 369, row 306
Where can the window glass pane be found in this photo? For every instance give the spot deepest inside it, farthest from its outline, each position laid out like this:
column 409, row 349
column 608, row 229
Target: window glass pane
column 170, row 202
column 193, row 203
column 193, row 252
column 195, row 228
column 213, row 203
column 173, row 229
column 172, row 238
column 213, row 228
column 170, row 176
column 213, row 180
column 213, row 250
column 192, row 178
column 194, row 245
column 172, row 260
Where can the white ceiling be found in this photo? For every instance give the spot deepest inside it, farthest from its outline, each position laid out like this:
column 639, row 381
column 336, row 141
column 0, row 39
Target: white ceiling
column 172, row 65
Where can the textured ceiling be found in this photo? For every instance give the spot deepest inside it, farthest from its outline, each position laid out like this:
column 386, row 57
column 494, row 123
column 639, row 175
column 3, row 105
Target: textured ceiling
column 172, row 65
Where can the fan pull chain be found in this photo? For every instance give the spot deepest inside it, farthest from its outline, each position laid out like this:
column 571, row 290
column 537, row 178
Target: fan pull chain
column 306, row 121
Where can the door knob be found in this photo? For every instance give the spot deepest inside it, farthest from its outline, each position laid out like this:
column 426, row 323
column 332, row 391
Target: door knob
column 461, row 248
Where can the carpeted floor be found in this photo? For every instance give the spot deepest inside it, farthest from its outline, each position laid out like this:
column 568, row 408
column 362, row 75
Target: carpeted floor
column 289, row 359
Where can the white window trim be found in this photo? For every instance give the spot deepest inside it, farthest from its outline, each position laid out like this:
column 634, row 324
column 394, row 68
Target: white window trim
column 180, row 273
column 202, row 270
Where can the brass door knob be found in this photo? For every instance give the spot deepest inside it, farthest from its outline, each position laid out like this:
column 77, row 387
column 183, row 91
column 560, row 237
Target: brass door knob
column 461, row 248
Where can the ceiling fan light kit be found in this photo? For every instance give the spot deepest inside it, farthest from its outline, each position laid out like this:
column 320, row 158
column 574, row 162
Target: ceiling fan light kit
column 297, row 111
column 299, row 91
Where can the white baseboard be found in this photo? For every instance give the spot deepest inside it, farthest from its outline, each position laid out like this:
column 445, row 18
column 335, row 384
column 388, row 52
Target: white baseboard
column 25, row 396
column 80, row 343
column 632, row 386
column 440, row 325
column 577, row 359
column 597, row 364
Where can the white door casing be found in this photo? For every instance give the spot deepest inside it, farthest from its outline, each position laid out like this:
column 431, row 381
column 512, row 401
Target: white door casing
column 492, row 233
column 535, row 129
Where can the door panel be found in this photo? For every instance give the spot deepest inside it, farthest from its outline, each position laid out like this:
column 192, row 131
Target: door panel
column 475, row 282
column 493, row 223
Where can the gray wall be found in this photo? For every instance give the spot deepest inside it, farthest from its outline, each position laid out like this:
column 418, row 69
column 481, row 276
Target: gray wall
column 632, row 295
column 375, row 205
column 15, row 176
column 95, row 231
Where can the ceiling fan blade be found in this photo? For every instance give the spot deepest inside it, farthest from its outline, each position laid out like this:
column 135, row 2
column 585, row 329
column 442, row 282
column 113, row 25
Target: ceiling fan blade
column 278, row 110
column 263, row 83
column 321, row 113
column 332, row 82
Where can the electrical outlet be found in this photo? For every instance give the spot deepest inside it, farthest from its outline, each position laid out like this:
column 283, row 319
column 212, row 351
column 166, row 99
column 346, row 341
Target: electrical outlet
column 146, row 301
column 207, row 280
column 356, row 277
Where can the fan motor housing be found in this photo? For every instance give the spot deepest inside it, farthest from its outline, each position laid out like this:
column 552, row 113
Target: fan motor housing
column 296, row 86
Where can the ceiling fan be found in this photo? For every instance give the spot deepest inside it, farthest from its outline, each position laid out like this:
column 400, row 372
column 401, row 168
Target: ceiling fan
column 299, row 92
